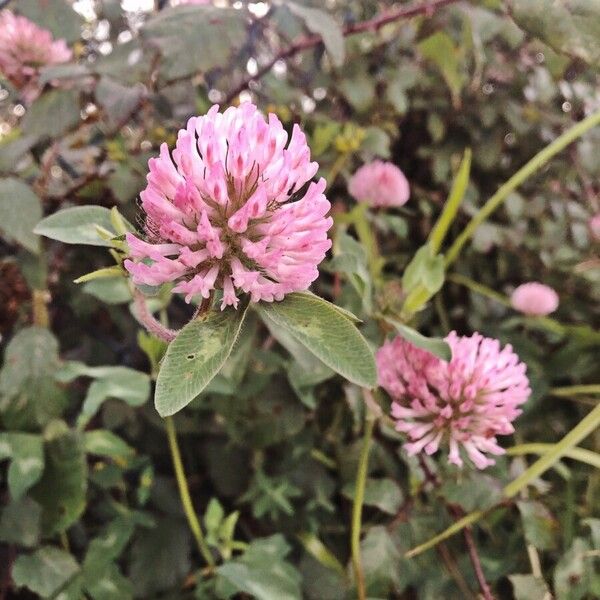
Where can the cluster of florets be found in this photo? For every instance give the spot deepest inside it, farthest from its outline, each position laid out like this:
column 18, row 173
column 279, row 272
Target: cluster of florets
column 24, row 49
column 379, row 184
column 464, row 403
column 230, row 209
column 534, row 299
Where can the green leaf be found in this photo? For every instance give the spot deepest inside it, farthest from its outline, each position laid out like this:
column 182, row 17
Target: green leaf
column 20, row 211
column 56, row 15
column 569, row 26
column 52, row 114
column 322, row 23
column 426, row 269
column 12, row 150
column 78, row 225
column 529, row 587
column 45, row 572
column 29, row 397
column 457, row 193
column 436, row 346
column 104, row 273
column 262, row 572
column 20, row 523
column 25, row 451
column 106, row 443
column 385, row 494
column 62, row 489
column 315, row 547
column 328, row 334
column 160, row 557
column 111, row 290
column 118, row 101
column 195, row 356
column 440, row 49
column 195, row 39
column 540, row 526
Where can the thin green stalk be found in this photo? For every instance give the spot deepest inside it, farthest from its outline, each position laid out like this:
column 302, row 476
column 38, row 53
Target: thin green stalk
column 576, row 390
column 586, row 426
column 184, row 493
column 478, row 288
column 581, row 454
column 359, row 497
column 538, row 161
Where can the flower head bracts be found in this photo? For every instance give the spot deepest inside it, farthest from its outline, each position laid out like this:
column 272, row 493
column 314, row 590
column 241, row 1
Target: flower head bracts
column 227, row 210
column 379, row 184
column 24, row 48
column 464, row 403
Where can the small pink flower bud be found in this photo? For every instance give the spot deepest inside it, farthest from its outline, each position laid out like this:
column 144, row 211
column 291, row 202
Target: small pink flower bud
column 535, row 299
column 379, row 184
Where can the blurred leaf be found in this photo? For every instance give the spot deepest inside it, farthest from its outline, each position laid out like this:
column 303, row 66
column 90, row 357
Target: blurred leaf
column 568, row 26
column 359, row 91
column 322, row 23
column 331, row 337
column 52, row 114
column 29, row 397
column 529, row 587
column 12, row 150
column 118, row 101
column 56, row 15
column 540, row 527
column 385, row 494
column 262, row 572
column 160, row 557
column 20, row 522
column 194, row 39
column 62, row 489
column 106, row 443
column 575, row 573
column 436, row 346
column 195, row 357
column 112, row 290
column 440, row 49
column 44, row 572
column 78, row 225
column 315, row 547
column 26, row 455
column 20, row 211
column 381, row 561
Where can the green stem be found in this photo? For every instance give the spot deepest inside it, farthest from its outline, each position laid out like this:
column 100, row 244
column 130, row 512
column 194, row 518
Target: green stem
column 538, row 161
column 359, row 497
column 478, row 288
column 574, row 390
column 581, row 454
column 184, row 493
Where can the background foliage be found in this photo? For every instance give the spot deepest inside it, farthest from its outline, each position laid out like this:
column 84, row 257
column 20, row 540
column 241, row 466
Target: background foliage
column 89, row 504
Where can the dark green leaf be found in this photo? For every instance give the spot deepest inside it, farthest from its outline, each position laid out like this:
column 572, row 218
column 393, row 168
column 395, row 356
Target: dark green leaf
column 25, row 452
column 56, row 15
column 436, row 346
column 20, row 523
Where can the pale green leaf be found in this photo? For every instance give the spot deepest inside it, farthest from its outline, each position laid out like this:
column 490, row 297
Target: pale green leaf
column 322, row 23
column 20, row 523
column 529, row 587
column 328, row 334
column 45, row 572
column 56, row 15
column 25, row 451
column 437, row 346
column 195, row 357
column 52, row 114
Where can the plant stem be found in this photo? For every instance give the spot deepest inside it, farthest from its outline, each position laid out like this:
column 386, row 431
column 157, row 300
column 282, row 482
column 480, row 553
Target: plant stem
column 184, row 493
column 474, row 556
column 359, row 496
column 146, row 318
column 538, row 161
column 573, row 390
column 40, row 308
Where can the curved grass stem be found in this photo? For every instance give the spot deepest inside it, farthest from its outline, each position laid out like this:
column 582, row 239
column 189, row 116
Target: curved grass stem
column 184, row 493
column 534, row 165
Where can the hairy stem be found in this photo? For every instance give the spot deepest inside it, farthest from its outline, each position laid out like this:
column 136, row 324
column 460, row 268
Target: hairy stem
column 184, row 493
column 359, row 496
column 147, row 319
column 474, row 556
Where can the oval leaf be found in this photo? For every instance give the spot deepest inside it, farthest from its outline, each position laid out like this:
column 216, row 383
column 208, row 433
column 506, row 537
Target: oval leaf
column 20, row 210
column 78, row 225
column 327, row 333
column 195, row 356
